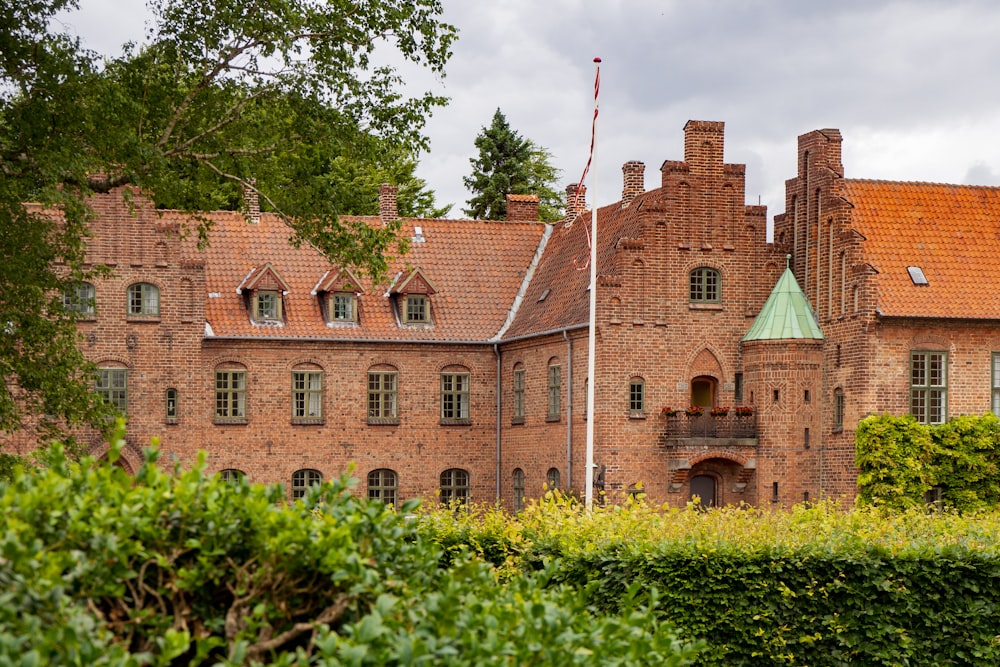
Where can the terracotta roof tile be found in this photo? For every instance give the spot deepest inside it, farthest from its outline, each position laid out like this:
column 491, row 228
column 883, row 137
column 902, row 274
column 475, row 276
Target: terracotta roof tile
column 476, row 267
column 952, row 232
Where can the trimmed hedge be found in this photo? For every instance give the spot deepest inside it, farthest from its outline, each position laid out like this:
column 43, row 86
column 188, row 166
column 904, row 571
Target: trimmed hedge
column 812, row 586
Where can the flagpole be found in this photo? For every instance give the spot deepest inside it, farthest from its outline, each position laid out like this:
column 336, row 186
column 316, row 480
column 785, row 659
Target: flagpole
column 592, row 338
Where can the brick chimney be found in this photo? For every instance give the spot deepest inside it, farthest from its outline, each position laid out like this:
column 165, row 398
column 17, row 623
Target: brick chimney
column 703, row 141
column 387, row 205
column 576, row 200
column 522, row 208
column 251, row 201
column 634, row 181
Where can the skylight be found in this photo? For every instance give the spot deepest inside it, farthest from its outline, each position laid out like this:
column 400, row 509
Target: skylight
column 544, row 294
column 917, row 275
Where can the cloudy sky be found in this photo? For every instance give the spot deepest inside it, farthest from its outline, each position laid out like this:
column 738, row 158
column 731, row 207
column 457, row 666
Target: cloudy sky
column 914, row 86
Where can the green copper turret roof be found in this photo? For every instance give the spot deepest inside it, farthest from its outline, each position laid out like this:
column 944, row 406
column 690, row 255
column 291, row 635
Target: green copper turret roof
column 786, row 314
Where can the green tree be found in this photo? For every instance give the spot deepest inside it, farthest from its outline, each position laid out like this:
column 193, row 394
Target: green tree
column 224, row 94
column 510, row 164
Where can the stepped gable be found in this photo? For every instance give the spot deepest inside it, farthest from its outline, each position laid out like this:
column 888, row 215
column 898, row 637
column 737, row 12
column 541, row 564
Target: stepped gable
column 476, row 266
column 951, row 232
column 564, row 270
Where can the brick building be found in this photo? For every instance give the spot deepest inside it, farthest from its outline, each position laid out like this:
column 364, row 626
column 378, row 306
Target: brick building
column 465, row 374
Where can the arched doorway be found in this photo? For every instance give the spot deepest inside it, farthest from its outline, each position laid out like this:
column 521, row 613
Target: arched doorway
column 703, row 488
column 703, row 391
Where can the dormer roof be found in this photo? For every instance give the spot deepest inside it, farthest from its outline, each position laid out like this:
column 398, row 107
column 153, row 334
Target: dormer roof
column 263, row 278
column 415, row 283
column 338, row 280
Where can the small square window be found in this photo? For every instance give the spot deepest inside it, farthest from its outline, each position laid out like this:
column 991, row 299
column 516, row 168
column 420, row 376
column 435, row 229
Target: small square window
column 79, row 298
column 143, row 299
column 343, row 307
column 267, row 306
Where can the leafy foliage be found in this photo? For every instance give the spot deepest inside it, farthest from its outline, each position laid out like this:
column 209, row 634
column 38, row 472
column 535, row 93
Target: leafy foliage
column 510, row 164
column 900, row 460
column 223, row 95
column 175, row 567
column 813, row 586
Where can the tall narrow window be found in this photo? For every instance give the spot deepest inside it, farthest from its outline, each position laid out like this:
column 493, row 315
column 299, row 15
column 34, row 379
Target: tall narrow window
column 112, row 385
column 518, row 416
column 454, row 397
column 517, row 484
column 79, row 298
column 302, row 480
column 552, row 478
column 307, row 395
column 995, row 403
column 929, row 386
column 143, row 299
column 171, row 406
column 555, row 391
column 382, row 485
column 805, row 439
column 838, row 409
column 704, row 285
column 230, row 395
column 738, row 387
column 455, row 486
column 382, row 395
column 636, row 398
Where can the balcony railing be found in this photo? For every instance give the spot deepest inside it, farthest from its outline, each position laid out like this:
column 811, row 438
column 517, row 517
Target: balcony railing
column 708, row 426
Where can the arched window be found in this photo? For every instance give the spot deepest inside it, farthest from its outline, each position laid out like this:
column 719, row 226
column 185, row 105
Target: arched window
column 552, row 478
column 230, row 394
column 303, row 479
column 455, row 397
column 382, row 485
column 636, row 397
column 143, row 299
column 232, row 475
column 383, row 395
column 307, row 394
column 517, row 484
column 554, row 390
column 705, row 285
column 455, row 486
column 112, row 385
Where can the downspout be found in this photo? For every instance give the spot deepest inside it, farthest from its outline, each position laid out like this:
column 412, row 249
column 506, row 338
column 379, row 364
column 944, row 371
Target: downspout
column 569, row 412
column 496, row 350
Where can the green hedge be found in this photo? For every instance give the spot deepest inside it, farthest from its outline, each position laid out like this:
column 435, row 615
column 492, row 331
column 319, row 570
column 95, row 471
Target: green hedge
column 813, row 586
column 174, row 567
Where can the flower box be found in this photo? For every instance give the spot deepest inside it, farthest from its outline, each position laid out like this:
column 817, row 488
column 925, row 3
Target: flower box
column 719, row 411
column 695, row 411
column 743, row 411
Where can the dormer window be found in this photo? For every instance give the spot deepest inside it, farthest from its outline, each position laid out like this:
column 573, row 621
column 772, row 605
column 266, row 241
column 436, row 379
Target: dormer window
column 342, row 307
column 417, row 311
column 413, row 299
column 267, row 306
column 265, row 290
column 338, row 292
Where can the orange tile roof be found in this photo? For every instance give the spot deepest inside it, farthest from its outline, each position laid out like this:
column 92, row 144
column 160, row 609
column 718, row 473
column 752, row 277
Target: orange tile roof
column 476, row 266
column 952, row 232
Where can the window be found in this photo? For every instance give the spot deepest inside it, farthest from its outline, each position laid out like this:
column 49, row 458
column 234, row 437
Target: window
column 805, row 439
column 112, row 385
column 307, row 396
column 230, row 395
column 738, row 387
column 517, row 484
column 555, row 391
column 806, row 396
column 552, row 478
column 232, row 475
column 79, row 298
column 417, row 311
column 267, row 306
column 928, row 386
column 303, row 479
column 454, row 397
column 636, row 398
column 518, row 417
column 838, row 409
column 143, row 299
column 995, row 402
column 586, row 396
column 342, row 307
column 455, row 486
column 382, row 392
column 705, row 285
column 171, row 406
column 382, row 485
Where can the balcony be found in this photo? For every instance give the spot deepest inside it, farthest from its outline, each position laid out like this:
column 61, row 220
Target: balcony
column 725, row 427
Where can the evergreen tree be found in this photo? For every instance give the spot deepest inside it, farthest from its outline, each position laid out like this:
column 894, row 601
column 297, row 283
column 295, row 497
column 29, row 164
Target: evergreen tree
column 510, row 164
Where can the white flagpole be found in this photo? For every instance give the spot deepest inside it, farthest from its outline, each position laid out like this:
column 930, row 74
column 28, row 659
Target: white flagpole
column 592, row 339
